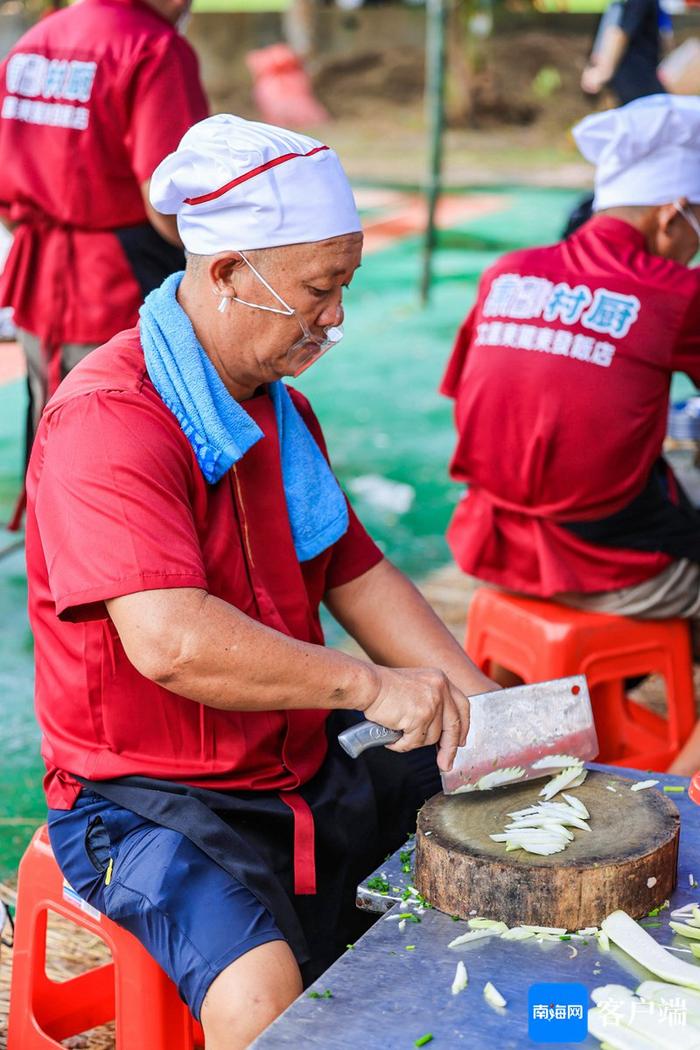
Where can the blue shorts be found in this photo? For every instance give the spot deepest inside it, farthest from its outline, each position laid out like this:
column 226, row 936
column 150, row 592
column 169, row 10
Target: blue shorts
column 190, row 915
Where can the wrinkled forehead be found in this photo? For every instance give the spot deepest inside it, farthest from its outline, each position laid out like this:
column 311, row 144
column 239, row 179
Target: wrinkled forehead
column 332, row 258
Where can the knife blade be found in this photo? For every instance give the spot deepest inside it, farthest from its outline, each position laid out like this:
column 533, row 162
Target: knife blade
column 512, row 734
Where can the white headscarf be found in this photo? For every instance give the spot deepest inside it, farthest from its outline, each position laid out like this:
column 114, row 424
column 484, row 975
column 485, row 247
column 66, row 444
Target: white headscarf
column 236, row 184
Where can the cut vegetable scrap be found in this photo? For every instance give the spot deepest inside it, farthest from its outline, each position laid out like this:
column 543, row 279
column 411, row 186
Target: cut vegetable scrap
column 579, row 779
column 561, row 781
column 500, row 776
column 686, row 911
column 517, row 933
column 576, row 804
column 686, row 930
column 544, row 929
column 461, row 980
column 642, row 785
column 493, row 997
column 616, row 1037
column 634, row 940
column 473, row 935
column 651, row 881
column 543, row 828
column 487, row 924
column 603, row 940
column 656, row 991
column 643, row 1020
column 556, row 762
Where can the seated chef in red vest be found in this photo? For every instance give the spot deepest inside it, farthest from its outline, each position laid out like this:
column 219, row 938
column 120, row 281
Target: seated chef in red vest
column 183, row 527
column 561, row 377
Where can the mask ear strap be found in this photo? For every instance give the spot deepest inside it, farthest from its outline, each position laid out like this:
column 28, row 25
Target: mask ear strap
column 288, row 310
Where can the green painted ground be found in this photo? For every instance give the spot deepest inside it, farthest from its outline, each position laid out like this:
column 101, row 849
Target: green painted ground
column 376, row 398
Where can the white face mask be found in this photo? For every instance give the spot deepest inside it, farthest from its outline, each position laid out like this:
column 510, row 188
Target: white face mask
column 309, row 347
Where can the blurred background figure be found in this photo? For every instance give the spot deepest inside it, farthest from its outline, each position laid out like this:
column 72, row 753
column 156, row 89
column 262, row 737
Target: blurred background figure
column 80, row 136
column 632, row 38
column 561, row 377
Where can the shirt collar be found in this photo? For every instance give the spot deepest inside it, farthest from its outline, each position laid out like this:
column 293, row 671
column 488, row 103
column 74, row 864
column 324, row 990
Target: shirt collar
column 615, row 229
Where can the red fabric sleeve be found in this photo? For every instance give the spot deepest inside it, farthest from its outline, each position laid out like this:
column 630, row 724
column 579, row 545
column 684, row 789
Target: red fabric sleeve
column 455, row 366
column 113, row 504
column 686, row 352
column 355, row 553
column 167, row 98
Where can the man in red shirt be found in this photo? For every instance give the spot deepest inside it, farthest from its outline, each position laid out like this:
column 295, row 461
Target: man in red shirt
column 561, row 377
column 183, row 527
column 91, row 100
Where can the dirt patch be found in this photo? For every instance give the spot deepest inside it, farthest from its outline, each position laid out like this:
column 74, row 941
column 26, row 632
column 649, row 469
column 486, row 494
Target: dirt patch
column 524, row 78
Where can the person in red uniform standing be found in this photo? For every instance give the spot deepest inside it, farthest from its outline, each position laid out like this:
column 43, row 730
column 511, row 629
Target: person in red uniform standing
column 183, row 527
column 91, row 100
column 561, row 376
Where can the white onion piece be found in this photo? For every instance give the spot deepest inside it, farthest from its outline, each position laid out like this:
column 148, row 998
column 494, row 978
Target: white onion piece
column 576, row 804
column 556, row 762
column 487, row 924
column 500, row 776
column 460, row 979
column 634, row 940
column 561, row 781
column 493, row 997
column 517, row 933
column 473, row 935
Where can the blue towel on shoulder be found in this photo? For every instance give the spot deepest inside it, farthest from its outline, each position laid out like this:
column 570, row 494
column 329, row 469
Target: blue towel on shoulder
column 221, row 431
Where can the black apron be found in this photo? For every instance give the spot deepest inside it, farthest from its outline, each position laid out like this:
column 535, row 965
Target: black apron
column 362, row 810
column 149, row 255
column 660, row 519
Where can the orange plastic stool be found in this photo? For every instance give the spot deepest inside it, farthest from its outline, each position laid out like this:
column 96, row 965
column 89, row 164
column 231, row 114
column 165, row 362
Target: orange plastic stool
column 132, row 990
column 694, row 790
column 539, row 640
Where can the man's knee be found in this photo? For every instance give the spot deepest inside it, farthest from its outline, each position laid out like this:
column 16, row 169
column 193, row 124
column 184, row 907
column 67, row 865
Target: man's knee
column 249, row 994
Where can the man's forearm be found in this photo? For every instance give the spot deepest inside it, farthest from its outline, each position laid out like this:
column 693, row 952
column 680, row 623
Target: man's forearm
column 613, row 47
column 200, row 647
column 397, row 627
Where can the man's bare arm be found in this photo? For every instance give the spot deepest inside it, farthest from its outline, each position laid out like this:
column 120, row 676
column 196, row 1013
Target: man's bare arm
column 608, row 58
column 200, row 647
column 396, row 626
column 165, row 225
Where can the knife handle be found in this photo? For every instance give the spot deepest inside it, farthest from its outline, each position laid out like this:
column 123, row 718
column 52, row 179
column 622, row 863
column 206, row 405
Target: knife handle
column 359, row 737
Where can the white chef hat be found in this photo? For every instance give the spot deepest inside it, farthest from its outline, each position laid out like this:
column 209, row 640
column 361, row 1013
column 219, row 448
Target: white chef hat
column 236, row 184
column 647, row 152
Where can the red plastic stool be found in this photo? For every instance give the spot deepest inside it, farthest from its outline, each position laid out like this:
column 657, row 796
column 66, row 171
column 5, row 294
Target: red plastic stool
column 132, row 990
column 539, row 640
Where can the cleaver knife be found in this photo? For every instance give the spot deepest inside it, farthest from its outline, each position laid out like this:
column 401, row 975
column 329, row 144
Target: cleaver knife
column 515, row 735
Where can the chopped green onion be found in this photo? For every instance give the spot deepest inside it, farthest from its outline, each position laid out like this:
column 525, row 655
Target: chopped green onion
column 378, row 883
column 673, row 789
column 424, row 1039
column 410, row 947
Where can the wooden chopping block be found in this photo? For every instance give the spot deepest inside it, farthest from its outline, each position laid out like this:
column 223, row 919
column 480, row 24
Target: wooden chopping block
column 633, row 839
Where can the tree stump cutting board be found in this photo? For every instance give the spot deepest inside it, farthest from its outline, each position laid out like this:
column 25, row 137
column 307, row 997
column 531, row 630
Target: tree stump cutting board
column 633, row 840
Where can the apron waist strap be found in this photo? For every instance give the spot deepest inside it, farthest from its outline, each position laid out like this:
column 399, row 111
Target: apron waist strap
column 304, row 843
